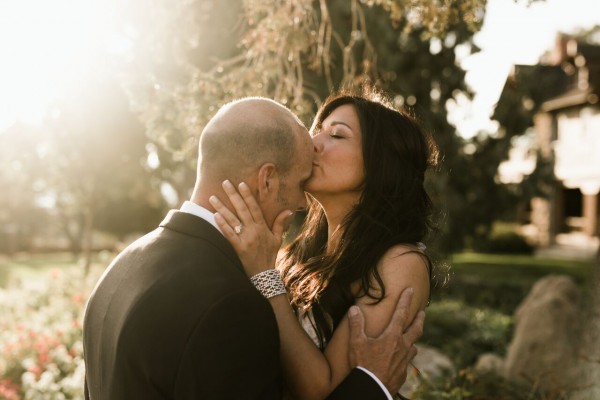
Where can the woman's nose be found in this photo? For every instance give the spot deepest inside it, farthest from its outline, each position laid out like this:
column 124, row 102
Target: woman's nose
column 317, row 143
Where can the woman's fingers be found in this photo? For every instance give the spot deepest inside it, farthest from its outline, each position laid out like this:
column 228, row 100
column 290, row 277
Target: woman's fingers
column 227, row 229
column 226, row 220
column 251, row 203
column 240, row 206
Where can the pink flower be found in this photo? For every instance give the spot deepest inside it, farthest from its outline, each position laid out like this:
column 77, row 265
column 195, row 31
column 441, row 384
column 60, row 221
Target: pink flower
column 36, row 369
column 9, row 390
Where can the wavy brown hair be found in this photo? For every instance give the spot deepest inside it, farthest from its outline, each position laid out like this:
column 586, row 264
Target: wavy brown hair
column 394, row 208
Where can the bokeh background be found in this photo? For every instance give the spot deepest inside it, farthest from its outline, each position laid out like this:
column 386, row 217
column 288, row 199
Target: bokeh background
column 102, row 104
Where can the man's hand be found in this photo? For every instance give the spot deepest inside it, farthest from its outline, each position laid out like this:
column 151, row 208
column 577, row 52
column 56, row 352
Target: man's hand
column 386, row 356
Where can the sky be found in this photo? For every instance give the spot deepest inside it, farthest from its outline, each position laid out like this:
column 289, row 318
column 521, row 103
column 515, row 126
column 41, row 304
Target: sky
column 50, row 49
column 514, row 33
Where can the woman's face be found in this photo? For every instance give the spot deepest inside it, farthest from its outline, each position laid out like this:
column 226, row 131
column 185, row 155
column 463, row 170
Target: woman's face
column 338, row 167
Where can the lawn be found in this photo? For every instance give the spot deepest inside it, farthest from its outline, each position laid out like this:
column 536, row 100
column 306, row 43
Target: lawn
column 27, row 268
column 518, row 268
column 502, row 281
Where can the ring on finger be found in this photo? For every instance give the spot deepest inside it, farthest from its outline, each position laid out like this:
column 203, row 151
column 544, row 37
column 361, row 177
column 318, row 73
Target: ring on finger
column 238, row 229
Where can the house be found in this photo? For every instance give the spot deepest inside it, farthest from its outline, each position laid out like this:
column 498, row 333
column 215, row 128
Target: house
column 566, row 131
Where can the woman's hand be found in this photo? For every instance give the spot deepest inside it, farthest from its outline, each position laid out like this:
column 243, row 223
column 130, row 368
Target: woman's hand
column 255, row 243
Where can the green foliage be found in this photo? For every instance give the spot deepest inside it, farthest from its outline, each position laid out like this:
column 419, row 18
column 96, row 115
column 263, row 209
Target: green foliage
column 509, row 243
column 469, row 384
column 297, row 52
column 503, row 239
column 463, row 332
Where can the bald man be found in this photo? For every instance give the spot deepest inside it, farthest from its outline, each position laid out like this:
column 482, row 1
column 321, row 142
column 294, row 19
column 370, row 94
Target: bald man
column 174, row 316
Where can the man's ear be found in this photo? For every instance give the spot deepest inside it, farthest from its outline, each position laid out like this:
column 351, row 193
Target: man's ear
column 268, row 181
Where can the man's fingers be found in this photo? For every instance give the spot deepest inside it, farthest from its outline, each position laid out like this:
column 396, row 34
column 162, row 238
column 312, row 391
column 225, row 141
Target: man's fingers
column 400, row 316
column 357, row 325
column 415, row 330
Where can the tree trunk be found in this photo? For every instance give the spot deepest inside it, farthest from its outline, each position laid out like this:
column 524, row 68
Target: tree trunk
column 88, row 230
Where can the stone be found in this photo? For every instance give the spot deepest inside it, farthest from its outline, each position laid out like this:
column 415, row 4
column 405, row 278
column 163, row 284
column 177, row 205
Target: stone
column 431, row 364
column 490, row 362
column 543, row 351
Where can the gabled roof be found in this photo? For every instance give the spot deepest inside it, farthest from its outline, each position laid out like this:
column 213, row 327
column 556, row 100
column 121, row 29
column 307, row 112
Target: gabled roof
column 557, row 85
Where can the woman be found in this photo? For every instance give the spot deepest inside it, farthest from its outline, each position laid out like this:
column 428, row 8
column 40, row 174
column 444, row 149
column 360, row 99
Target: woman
column 361, row 242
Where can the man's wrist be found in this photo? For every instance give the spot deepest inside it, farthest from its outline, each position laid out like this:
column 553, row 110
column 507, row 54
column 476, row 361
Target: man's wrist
column 376, row 379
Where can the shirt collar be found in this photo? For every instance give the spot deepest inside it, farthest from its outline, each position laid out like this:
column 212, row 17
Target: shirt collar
column 201, row 212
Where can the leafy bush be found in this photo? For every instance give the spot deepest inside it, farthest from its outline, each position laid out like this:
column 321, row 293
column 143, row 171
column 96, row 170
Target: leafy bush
column 509, row 243
column 463, row 332
column 468, row 384
column 40, row 331
column 504, row 239
column 504, row 297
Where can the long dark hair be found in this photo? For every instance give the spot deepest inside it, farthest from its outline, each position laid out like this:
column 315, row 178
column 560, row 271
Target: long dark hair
column 394, row 208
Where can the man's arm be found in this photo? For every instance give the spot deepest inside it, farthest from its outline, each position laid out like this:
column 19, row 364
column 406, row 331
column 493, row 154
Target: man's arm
column 386, row 356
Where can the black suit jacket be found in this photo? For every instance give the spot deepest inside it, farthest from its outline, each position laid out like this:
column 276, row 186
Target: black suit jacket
column 174, row 317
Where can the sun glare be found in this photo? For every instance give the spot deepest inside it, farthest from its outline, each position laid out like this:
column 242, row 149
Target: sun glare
column 47, row 48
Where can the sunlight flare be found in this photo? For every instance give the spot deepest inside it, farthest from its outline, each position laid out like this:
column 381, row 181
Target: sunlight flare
column 48, row 48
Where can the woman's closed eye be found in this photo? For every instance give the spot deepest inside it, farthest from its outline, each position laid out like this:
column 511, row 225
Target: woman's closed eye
column 336, row 135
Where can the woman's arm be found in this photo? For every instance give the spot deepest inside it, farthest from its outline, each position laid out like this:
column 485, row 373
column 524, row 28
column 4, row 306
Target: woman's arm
column 399, row 269
column 306, row 369
column 311, row 374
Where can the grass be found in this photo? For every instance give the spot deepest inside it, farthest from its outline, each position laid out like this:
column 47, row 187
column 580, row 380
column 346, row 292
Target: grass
column 30, row 267
column 503, row 267
column 515, row 270
column 501, row 281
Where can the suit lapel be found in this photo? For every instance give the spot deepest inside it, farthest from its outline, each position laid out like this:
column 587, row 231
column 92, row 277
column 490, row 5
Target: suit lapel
column 193, row 225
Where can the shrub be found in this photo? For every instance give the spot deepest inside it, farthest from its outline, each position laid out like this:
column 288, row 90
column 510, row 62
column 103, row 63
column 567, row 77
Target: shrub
column 509, row 243
column 40, row 332
column 463, row 332
column 468, row 384
column 504, row 239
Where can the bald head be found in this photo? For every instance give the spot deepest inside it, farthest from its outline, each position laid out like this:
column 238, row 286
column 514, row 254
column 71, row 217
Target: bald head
column 245, row 134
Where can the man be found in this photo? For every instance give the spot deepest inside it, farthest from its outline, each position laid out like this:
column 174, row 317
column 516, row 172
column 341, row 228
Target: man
column 174, row 316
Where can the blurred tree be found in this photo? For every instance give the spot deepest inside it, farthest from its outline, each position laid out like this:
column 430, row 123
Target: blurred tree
column 20, row 216
column 199, row 54
column 85, row 170
column 96, row 165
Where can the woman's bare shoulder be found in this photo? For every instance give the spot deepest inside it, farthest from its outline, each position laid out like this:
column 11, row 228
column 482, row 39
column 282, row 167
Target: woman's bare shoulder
column 403, row 255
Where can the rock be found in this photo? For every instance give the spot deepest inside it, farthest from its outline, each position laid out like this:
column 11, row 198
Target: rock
column 587, row 380
column 490, row 362
column 543, row 351
column 431, row 364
